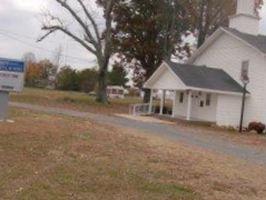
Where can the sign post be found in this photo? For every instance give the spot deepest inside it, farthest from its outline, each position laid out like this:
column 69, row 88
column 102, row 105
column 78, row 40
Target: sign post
column 11, row 80
column 3, row 105
column 245, row 80
column 243, row 108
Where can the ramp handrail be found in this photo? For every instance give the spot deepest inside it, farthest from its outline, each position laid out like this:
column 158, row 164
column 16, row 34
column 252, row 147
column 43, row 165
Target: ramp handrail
column 139, row 109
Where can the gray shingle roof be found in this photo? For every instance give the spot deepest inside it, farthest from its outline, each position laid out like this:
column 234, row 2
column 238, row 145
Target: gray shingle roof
column 205, row 77
column 258, row 41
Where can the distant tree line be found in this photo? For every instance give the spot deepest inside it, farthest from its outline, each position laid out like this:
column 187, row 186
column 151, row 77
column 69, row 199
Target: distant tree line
column 39, row 74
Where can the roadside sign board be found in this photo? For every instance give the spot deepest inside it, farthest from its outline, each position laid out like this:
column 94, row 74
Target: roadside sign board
column 11, row 75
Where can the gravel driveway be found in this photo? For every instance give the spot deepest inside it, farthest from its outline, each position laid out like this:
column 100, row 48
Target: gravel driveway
column 212, row 143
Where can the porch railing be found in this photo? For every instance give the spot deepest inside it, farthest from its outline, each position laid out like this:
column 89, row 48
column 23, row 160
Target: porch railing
column 140, row 109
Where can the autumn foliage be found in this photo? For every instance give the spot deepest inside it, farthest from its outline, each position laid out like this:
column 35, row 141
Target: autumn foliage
column 37, row 73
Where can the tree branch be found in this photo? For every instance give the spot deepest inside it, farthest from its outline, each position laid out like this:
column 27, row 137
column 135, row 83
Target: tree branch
column 109, row 19
column 64, row 4
column 45, row 35
column 95, row 27
column 52, row 29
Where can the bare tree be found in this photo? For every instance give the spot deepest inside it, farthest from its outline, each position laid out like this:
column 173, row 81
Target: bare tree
column 29, row 57
column 93, row 39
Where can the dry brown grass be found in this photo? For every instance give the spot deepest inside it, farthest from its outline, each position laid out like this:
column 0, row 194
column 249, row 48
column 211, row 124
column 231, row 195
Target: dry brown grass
column 212, row 175
column 247, row 138
column 55, row 157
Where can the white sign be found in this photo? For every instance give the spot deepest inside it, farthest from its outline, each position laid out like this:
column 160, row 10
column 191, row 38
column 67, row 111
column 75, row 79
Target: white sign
column 11, row 75
column 244, row 71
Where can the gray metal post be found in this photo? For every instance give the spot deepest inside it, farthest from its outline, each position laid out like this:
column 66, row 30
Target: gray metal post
column 4, row 96
column 243, row 108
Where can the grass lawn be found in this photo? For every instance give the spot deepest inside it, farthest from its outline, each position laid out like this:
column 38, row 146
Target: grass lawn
column 56, row 157
column 72, row 100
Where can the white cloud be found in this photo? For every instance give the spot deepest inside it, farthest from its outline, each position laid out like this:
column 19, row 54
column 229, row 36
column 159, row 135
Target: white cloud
column 18, row 19
column 20, row 26
column 30, row 5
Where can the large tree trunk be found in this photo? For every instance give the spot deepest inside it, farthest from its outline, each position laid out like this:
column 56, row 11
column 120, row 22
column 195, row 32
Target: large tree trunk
column 147, row 94
column 202, row 34
column 102, row 85
column 150, row 65
column 201, row 39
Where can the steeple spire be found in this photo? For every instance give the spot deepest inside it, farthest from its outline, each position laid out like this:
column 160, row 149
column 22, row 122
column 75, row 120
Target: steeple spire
column 245, row 20
column 246, row 7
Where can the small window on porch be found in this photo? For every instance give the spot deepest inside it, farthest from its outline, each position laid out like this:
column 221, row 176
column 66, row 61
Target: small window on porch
column 181, row 97
column 208, row 99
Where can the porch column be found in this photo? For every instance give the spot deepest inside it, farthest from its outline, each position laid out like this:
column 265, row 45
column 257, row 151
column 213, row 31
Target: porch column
column 162, row 102
column 151, row 102
column 189, row 105
column 174, row 103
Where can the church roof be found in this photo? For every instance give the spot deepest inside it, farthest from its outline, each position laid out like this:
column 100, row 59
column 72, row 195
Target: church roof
column 205, row 77
column 257, row 41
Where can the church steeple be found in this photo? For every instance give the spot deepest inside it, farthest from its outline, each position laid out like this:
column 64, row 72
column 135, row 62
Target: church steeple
column 245, row 20
column 246, row 7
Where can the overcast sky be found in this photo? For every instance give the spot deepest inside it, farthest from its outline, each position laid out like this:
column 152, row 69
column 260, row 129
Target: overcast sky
column 20, row 26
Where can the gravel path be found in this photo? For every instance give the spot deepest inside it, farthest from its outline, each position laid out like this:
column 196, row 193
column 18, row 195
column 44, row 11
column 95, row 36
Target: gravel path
column 212, row 143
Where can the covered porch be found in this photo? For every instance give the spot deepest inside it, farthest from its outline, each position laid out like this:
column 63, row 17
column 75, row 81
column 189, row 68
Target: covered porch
column 186, row 104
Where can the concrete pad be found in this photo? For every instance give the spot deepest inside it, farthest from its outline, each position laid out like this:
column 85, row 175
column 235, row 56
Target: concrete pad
column 144, row 119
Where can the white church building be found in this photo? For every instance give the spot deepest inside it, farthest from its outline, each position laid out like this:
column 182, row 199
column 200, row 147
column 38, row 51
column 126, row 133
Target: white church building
column 208, row 87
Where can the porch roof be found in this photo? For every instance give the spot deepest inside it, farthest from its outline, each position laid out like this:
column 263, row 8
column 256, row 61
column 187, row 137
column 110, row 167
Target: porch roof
column 205, row 77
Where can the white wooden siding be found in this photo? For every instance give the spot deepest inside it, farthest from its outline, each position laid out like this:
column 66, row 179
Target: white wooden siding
column 205, row 113
column 181, row 108
column 167, row 80
column 228, row 110
column 228, row 53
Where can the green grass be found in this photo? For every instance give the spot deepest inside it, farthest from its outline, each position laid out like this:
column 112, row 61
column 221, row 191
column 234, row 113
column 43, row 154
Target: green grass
column 41, row 95
column 72, row 100
column 170, row 189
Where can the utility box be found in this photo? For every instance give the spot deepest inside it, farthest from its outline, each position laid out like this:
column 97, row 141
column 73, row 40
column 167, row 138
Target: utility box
column 11, row 80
